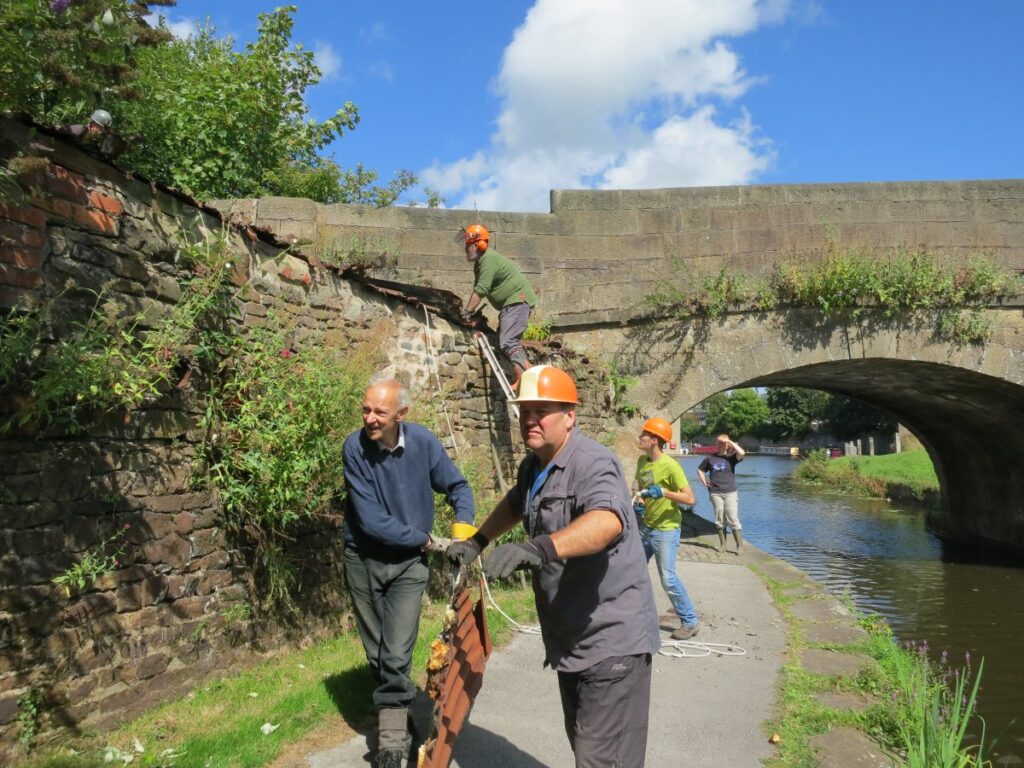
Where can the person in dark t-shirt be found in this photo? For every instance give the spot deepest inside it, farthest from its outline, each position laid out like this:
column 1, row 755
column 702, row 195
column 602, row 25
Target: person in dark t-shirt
column 718, row 474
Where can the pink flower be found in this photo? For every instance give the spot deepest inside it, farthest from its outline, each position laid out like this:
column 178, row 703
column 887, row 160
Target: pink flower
column 285, row 353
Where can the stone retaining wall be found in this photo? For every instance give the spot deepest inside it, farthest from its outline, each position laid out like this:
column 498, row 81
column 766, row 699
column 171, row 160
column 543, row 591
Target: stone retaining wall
column 178, row 605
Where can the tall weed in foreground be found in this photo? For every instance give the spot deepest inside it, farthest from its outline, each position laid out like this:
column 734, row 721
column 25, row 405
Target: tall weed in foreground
column 941, row 705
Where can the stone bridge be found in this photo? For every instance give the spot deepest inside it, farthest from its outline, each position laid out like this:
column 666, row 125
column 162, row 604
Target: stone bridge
column 598, row 254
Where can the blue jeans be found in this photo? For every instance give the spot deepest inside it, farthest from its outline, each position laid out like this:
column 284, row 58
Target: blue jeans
column 664, row 545
column 386, row 598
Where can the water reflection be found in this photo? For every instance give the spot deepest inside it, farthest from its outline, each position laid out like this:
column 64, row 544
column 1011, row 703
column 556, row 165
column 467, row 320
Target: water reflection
column 882, row 555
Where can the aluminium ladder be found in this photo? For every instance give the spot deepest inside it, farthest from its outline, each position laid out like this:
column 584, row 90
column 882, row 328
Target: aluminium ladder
column 488, row 352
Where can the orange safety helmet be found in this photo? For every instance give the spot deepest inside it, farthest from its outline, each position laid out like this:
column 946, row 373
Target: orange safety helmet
column 659, row 428
column 475, row 234
column 546, row 383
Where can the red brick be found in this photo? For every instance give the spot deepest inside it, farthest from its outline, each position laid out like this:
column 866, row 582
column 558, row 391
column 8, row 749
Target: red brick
column 54, row 205
column 20, row 278
column 94, row 220
column 65, row 183
column 74, row 192
column 20, row 257
column 105, row 203
column 25, row 214
column 33, row 238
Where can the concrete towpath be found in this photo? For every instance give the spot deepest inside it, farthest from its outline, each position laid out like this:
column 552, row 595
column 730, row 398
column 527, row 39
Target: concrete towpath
column 706, row 711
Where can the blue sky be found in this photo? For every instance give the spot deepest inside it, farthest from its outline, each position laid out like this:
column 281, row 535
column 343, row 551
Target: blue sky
column 496, row 103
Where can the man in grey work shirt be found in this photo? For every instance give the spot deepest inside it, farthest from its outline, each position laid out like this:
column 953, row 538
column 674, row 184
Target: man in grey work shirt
column 590, row 582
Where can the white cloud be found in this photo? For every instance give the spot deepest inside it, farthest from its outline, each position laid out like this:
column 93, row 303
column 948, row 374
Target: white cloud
column 326, row 59
column 694, row 148
column 618, row 93
column 182, row 27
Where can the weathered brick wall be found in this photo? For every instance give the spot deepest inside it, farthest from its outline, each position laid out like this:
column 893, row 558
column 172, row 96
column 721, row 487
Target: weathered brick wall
column 169, row 614
column 599, row 253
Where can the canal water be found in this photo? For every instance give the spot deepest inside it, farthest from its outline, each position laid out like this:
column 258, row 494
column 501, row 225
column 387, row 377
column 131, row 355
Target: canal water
column 882, row 555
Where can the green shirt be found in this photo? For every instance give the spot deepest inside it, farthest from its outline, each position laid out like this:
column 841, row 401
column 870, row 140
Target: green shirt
column 661, row 514
column 500, row 282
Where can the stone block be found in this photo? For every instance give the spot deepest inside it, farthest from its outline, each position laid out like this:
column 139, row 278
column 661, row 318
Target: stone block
column 134, row 596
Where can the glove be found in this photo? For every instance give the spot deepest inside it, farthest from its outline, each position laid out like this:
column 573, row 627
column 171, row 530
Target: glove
column 508, row 558
column 437, row 546
column 639, row 508
column 461, row 553
column 652, row 492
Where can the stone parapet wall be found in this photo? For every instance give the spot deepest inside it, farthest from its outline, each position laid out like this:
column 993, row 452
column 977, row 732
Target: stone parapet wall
column 599, row 253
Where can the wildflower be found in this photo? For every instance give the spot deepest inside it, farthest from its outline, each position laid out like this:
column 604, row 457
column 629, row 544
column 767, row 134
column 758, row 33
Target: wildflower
column 59, row 6
column 285, row 353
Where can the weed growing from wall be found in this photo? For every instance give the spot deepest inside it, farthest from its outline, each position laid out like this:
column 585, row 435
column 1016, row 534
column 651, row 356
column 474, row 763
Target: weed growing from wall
column 275, row 421
column 97, row 561
column 850, row 282
column 107, row 362
column 539, row 331
column 28, row 718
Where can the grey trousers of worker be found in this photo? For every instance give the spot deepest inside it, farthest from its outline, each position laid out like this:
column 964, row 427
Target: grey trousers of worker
column 512, row 322
column 386, row 598
column 606, row 710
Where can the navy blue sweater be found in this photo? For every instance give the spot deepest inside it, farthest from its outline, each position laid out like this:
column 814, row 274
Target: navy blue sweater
column 390, row 495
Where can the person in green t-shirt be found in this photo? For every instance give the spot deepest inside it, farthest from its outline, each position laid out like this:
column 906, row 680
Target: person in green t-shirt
column 499, row 281
column 662, row 485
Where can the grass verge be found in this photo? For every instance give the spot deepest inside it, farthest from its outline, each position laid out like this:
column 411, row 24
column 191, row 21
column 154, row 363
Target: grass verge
column 917, row 706
column 909, row 475
column 219, row 724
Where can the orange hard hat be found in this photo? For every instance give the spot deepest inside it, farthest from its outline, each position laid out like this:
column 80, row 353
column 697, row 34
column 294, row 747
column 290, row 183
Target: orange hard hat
column 545, row 382
column 659, row 428
column 475, row 234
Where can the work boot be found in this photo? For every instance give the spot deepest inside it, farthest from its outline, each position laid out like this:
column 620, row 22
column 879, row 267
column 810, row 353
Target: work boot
column 721, row 539
column 393, row 740
column 685, row 633
column 517, row 371
column 737, row 536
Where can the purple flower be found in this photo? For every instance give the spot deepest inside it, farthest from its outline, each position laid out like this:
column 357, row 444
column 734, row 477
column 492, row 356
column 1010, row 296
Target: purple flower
column 59, row 6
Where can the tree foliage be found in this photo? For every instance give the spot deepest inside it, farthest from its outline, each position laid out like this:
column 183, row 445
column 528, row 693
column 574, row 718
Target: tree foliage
column 742, row 412
column 198, row 114
column 60, row 59
column 792, row 411
column 223, row 123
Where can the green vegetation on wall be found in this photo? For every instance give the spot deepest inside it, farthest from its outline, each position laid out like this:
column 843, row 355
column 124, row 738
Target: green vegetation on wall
column 276, row 411
column 905, row 285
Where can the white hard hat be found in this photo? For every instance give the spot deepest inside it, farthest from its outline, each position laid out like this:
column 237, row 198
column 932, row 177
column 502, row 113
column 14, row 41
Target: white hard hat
column 101, row 117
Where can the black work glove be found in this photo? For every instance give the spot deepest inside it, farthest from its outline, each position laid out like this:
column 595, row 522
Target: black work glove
column 461, row 553
column 508, row 558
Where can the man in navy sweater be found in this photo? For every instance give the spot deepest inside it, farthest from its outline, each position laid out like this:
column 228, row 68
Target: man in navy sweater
column 392, row 469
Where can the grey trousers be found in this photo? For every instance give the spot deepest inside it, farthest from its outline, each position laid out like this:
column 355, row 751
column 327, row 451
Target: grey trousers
column 386, row 597
column 512, row 322
column 606, row 709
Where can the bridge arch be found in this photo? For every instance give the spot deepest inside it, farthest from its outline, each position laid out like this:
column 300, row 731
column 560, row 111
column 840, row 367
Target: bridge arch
column 965, row 403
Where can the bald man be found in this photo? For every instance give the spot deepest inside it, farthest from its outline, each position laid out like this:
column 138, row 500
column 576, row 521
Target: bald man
column 392, row 469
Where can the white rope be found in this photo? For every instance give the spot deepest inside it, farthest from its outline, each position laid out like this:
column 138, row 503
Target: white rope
column 673, row 649
column 521, row 628
column 437, row 379
column 690, row 649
